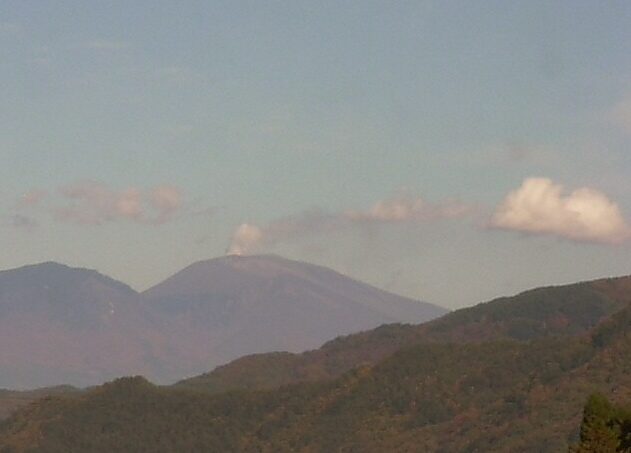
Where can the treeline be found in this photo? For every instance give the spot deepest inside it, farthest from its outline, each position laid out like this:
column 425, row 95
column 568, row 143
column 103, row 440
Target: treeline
column 495, row 396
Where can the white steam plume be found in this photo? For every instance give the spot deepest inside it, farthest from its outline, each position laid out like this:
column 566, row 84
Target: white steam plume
column 245, row 238
column 248, row 238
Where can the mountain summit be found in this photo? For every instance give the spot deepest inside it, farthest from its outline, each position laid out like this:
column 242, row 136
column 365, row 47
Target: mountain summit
column 61, row 324
column 236, row 305
column 78, row 298
column 255, row 278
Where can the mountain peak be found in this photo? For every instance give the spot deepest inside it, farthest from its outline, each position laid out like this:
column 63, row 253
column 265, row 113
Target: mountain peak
column 260, row 303
column 48, row 265
column 58, row 274
column 244, row 260
column 232, row 269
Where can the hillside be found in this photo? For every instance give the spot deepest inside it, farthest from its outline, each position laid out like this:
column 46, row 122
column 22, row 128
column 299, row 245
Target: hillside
column 560, row 310
column 227, row 307
column 492, row 395
column 11, row 400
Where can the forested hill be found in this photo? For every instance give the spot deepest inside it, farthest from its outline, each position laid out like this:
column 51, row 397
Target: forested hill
column 494, row 395
column 10, row 400
column 558, row 310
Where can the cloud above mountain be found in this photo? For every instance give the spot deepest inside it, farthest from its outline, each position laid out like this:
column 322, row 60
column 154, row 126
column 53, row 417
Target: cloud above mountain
column 409, row 209
column 94, row 203
column 540, row 206
column 399, row 209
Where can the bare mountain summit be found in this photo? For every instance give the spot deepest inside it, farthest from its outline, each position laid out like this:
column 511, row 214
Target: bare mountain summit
column 235, row 305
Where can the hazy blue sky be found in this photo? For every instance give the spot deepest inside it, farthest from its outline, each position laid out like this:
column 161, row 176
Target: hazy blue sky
column 379, row 138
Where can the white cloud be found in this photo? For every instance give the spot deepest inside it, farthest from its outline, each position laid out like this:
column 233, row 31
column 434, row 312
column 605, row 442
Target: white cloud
column 166, row 200
column 128, row 203
column 409, row 209
column 540, row 206
column 91, row 203
column 248, row 238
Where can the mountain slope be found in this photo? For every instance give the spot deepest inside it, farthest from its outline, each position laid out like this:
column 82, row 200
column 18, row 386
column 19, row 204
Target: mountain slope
column 79, row 298
column 63, row 325
column 231, row 306
column 67, row 325
column 11, row 400
column 558, row 310
column 496, row 396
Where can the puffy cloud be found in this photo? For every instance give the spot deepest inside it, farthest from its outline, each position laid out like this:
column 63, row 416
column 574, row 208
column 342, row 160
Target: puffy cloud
column 248, row 238
column 128, row 203
column 391, row 210
column 166, row 200
column 540, row 206
column 92, row 203
column 407, row 208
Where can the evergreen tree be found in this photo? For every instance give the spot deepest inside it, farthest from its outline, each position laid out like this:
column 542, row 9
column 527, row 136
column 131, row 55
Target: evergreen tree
column 604, row 429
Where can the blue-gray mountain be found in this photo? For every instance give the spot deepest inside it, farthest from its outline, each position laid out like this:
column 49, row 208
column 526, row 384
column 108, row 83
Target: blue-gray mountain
column 75, row 326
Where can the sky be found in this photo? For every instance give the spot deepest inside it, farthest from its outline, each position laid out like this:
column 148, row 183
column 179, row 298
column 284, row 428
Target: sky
column 448, row 151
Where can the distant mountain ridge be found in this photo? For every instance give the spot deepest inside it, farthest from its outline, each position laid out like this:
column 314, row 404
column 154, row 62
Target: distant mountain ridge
column 63, row 325
column 69, row 325
column 518, row 384
column 52, row 285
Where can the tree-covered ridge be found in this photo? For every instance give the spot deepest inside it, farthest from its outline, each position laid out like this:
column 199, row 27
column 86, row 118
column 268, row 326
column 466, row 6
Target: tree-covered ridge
column 560, row 310
column 501, row 395
column 605, row 428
